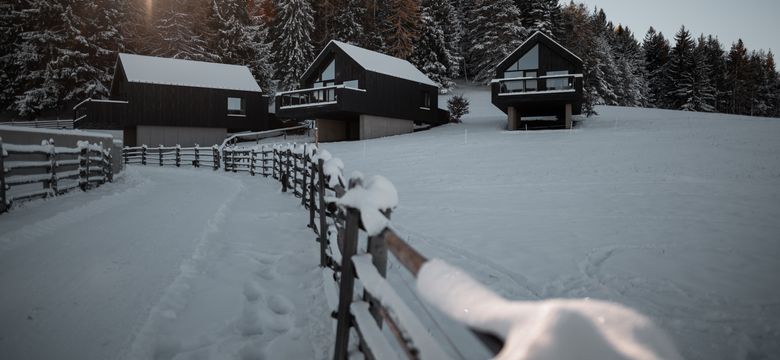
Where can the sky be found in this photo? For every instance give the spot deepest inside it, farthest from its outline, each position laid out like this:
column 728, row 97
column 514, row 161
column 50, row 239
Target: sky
column 754, row 21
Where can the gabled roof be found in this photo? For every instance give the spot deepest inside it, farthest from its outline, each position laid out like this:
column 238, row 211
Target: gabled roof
column 166, row 71
column 532, row 40
column 379, row 63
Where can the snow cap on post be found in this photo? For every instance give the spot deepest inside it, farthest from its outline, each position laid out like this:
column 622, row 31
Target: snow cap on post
column 373, row 198
column 549, row 329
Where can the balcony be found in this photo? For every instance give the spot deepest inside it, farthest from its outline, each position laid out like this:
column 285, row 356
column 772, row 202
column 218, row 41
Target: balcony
column 551, row 84
column 319, row 96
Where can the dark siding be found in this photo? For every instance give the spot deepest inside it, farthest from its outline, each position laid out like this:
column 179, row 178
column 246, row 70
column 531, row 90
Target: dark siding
column 169, row 105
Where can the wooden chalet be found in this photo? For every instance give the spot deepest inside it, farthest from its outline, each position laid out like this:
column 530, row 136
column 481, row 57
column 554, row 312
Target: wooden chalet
column 353, row 93
column 539, row 85
column 171, row 101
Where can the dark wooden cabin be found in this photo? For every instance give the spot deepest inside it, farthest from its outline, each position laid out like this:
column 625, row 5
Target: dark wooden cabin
column 539, row 85
column 172, row 101
column 354, row 93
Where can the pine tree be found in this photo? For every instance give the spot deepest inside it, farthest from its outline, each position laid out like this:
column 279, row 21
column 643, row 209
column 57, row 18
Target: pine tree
column 737, row 79
column 374, row 22
column 104, row 40
column 606, row 74
column 430, row 53
column 48, row 55
column 496, row 31
column 346, row 25
column 10, row 28
column 716, row 60
column 237, row 40
column 291, row 36
column 175, row 33
column 679, row 72
column 702, row 93
column 631, row 73
column 539, row 15
column 446, row 18
column 402, row 23
column 656, row 55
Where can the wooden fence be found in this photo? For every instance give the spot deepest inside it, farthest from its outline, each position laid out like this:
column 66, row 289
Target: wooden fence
column 46, row 124
column 57, row 169
column 317, row 180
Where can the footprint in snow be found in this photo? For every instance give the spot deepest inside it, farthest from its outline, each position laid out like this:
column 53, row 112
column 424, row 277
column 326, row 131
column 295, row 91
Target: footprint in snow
column 252, row 291
column 267, row 273
column 280, row 304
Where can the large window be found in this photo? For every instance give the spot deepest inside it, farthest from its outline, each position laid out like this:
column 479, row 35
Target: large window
column 236, row 106
column 558, row 83
column 327, row 78
column 529, row 61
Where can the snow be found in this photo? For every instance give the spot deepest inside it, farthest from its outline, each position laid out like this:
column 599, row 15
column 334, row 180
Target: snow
column 153, row 266
column 372, row 198
column 166, row 71
column 53, row 131
column 670, row 213
column 383, row 64
column 549, row 329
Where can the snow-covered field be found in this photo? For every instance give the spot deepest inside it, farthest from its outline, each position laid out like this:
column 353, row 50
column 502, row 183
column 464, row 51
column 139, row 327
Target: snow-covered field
column 154, row 267
column 673, row 214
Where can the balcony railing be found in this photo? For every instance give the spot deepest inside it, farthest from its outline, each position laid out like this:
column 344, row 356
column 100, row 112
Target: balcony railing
column 537, row 85
column 325, row 95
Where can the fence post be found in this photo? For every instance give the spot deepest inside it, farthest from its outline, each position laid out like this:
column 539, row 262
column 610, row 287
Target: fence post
column 282, row 172
column 215, row 158
column 103, row 172
column 225, row 158
column 196, row 162
column 233, row 160
column 347, row 282
column 52, row 155
column 124, row 154
column 289, row 157
column 304, row 163
column 110, row 167
column 84, row 168
column 178, row 155
column 274, row 163
column 323, row 215
column 159, row 151
column 252, row 161
column 312, row 203
column 143, row 154
column 3, row 202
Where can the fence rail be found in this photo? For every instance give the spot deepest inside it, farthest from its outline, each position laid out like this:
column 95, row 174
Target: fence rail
column 46, row 124
column 316, row 178
column 57, row 169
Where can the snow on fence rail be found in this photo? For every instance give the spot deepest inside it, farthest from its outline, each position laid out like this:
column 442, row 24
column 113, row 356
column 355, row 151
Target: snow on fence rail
column 47, row 124
column 57, row 169
column 337, row 214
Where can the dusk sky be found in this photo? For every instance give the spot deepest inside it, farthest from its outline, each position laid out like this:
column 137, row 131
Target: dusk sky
column 754, row 21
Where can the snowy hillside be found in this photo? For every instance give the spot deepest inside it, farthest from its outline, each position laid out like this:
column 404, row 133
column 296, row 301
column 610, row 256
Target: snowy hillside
column 671, row 213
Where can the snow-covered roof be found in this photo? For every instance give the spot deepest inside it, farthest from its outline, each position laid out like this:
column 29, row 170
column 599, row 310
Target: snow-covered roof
column 384, row 64
column 166, row 71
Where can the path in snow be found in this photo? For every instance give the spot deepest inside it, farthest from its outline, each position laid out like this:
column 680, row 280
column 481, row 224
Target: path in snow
column 671, row 213
column 163, row 263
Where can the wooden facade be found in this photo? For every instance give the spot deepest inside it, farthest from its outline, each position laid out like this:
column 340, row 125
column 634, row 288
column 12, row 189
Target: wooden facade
column 354, row 91
column 136, row 103
column 539, row 85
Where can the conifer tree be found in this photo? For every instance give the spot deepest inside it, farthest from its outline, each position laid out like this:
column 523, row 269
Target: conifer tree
column 539, row 15
column 346, row 25
column 402, row 24
column 701, row 96
column 656, row 55
column 430, row 53
column 737, row 78
column 579, row 37
column 715, row 58
column 175, row 34
column 496, row 31
column 291, row 35
column 631, row 73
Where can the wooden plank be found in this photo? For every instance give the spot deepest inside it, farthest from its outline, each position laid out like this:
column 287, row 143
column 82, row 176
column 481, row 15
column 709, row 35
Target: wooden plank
column 377, row 247
column 322, row 213
column 375, row 342
column 347, row 283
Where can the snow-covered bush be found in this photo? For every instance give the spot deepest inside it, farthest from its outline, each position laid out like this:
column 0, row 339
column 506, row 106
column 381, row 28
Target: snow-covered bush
column 458, row 106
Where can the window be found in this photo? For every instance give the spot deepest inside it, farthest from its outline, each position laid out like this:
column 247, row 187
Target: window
column 530, row 85
column 351, row 84
column 426, row 101
column 327, row 78
column 558, row 83
column 529, row 61
column 235, row 106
